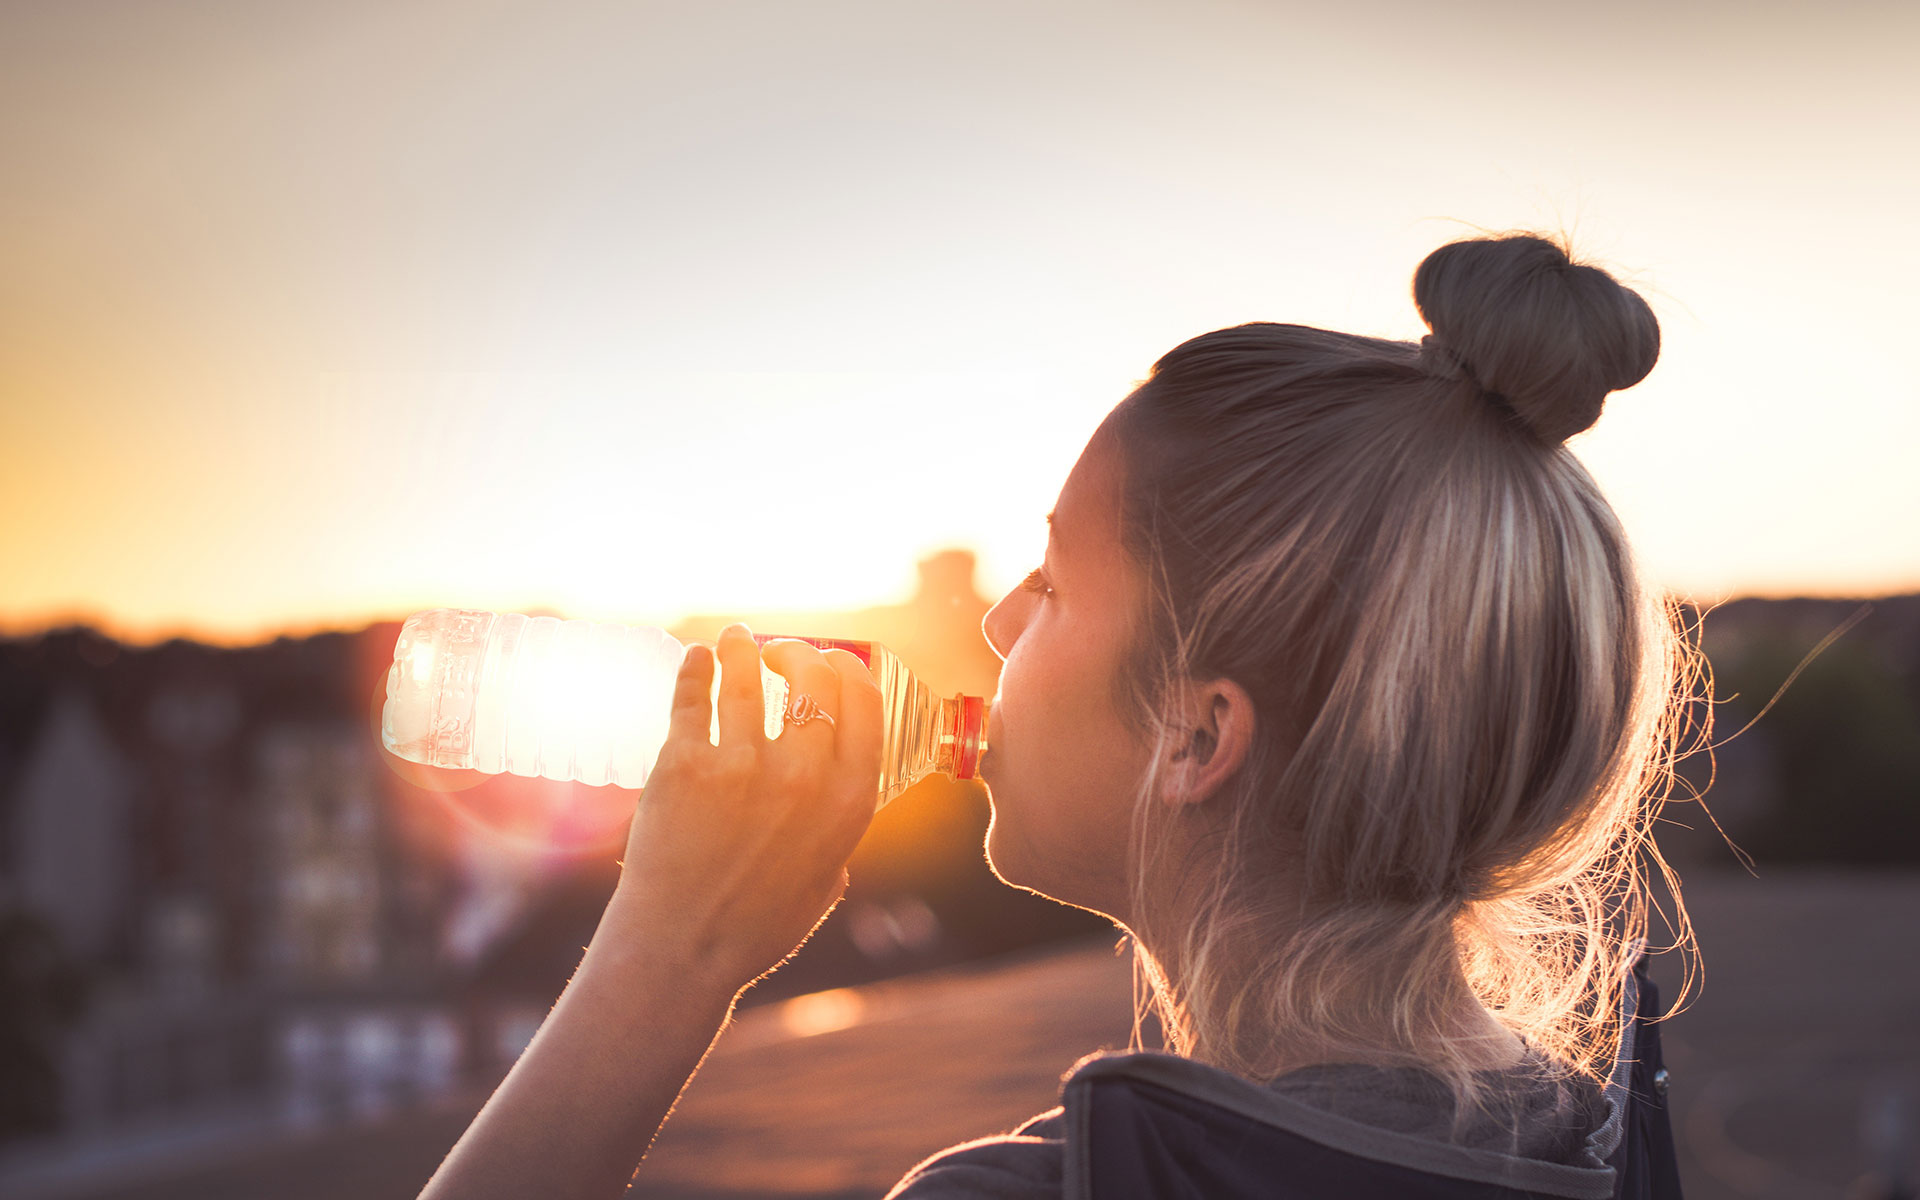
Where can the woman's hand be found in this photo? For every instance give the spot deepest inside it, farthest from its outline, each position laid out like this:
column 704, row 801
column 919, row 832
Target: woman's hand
column 737, row 851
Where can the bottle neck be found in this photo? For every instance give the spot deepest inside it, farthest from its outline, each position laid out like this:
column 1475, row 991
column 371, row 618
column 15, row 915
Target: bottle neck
column 959, row 724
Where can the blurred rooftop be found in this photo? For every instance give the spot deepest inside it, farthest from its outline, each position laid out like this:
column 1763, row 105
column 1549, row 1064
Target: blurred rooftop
column 1787, row 1072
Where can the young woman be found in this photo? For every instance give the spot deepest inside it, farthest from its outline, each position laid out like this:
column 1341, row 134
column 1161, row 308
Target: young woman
column 1337, row 691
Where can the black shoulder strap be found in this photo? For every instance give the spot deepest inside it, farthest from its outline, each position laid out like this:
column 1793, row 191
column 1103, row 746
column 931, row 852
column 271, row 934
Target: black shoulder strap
column 1644, row 1163
column 1139, row 1141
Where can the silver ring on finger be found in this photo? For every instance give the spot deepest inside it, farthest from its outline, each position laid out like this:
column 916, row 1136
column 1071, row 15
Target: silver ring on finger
column 803, row 708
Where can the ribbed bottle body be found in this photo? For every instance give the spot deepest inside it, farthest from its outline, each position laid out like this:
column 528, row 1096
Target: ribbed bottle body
column 533, row 696
column 923, row 733
column 591, row 701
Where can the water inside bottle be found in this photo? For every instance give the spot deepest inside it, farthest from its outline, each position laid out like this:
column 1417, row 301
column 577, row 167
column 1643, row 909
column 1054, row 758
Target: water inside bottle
column 579, row 700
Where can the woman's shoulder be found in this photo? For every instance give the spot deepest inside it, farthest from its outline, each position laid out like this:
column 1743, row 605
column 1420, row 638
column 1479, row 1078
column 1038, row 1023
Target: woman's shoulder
column 1026, row 1164
column 1532, row 1110
column 1543, row 1134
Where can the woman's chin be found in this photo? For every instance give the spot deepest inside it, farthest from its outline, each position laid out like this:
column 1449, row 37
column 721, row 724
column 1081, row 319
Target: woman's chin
column 1000, row 858
column 1012, row 860
column 1015, row 864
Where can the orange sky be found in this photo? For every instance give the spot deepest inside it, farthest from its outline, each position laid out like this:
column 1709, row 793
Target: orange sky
column 315, row 313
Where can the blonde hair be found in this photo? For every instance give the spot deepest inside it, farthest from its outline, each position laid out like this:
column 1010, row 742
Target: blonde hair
column 1467, row 705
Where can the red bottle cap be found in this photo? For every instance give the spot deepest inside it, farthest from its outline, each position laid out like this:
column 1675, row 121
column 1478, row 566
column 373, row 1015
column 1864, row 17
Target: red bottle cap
column 972, row 717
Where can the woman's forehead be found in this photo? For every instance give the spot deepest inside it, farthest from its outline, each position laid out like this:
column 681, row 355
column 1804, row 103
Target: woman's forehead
column 1086, row 517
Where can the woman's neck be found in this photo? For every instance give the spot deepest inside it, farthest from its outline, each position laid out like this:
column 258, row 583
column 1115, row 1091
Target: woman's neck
column 1218, row 1008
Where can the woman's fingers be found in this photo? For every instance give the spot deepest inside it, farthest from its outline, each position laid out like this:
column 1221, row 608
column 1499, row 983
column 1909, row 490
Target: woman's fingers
column 692, row 713
column 861, row 728
column 807, row 675
column 742, row 707
column 846, row 752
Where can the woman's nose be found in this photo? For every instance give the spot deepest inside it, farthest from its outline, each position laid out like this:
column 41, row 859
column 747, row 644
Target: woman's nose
column 997, row 628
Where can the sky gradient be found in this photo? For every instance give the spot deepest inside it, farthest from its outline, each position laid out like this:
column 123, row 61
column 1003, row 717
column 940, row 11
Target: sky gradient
column 316, row 313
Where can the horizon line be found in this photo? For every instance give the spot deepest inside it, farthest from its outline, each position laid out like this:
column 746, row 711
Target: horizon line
column 25, row 628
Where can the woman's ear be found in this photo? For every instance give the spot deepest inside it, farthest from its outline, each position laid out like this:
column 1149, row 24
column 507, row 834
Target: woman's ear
column 1218, row 738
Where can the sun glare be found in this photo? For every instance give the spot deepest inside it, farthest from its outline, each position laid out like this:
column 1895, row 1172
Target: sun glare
column 422, row 662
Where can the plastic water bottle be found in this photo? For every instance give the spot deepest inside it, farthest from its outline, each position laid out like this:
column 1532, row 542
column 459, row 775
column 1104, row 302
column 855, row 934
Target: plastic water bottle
column 585, row 700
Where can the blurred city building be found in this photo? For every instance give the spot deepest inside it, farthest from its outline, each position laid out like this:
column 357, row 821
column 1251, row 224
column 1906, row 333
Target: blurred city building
column 226, row 912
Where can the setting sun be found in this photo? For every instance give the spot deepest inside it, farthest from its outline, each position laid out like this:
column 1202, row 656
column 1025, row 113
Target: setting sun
column 244, row 394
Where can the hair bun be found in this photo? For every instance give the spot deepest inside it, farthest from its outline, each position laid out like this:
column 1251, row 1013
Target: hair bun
column 1551, row 337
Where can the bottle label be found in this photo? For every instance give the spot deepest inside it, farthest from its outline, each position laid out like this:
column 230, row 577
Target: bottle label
column 860, row 650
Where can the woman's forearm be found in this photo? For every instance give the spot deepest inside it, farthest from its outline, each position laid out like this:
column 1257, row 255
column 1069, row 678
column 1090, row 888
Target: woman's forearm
column 736, row 850
column 579, row 1108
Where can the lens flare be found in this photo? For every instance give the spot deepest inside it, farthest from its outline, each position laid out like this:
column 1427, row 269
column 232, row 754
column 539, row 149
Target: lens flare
column 822, row 1012
column 538, row 817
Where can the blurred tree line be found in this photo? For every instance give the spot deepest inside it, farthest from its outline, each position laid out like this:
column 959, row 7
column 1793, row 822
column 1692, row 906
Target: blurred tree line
column 1830, row 773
